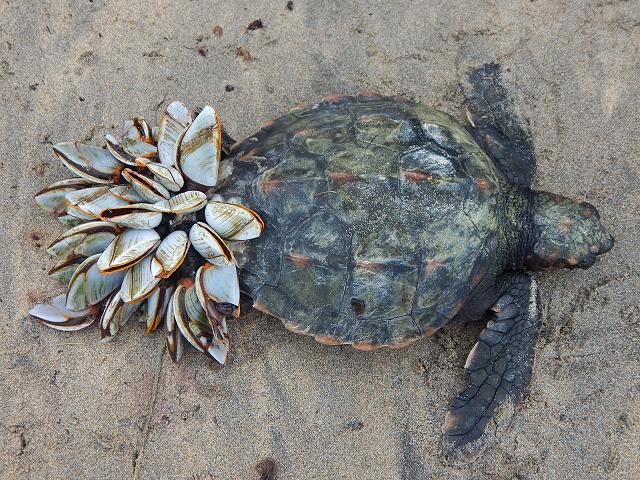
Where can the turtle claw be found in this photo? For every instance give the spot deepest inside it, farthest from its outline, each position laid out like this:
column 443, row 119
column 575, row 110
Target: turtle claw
column 461, row 440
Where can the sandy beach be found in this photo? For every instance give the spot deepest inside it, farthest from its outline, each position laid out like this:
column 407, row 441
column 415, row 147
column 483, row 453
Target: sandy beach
column 77, row 408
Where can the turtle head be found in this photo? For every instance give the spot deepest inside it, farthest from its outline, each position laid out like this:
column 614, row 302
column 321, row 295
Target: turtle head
column 566, row 233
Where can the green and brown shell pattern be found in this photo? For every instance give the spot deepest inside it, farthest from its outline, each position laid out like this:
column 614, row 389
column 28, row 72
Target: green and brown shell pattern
column 383, row 215
column 145, row 242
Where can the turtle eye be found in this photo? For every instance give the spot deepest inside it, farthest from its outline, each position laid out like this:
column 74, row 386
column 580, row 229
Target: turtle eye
column 589, row 210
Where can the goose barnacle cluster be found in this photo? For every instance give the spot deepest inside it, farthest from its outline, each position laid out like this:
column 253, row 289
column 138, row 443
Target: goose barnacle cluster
column 145, row 241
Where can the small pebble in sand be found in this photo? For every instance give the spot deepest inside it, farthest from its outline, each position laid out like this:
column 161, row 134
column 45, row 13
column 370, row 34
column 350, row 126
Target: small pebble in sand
column 244, row 53
column 267, row 469
column 255, row 25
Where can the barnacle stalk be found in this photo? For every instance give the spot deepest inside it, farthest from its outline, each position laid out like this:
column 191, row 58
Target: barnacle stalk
column 135, row 247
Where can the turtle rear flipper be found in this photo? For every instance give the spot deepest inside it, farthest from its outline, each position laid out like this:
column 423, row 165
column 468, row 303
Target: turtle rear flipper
column 496, row 127
column 498, row 366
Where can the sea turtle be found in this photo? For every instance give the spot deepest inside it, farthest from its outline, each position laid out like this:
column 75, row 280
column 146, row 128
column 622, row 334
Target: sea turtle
column 388, row 219
column 373, row 221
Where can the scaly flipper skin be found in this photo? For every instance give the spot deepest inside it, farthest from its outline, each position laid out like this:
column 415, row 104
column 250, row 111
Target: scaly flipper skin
column 497, row 129
column 498, row 366
column 227, row 142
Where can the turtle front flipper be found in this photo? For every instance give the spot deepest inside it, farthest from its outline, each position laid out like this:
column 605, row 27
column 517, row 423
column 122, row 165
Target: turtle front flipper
column 496, row 127
column 498, row 366
column 227, row 141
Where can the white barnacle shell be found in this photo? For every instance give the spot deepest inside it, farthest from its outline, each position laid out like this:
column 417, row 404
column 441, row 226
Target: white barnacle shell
column 88, row 161
column 137, row 128
column 85, row 239
column 199, row 149
column 52, row 198
column 192, row 323
column 185, row 202
column 168, row 177
column 88, row 286
column 209, row 244
column 155, row 307
column 137, row 215
column 219, row 284
column 141, row 279
column 65, row 268
column 171, row 252
column 69, row 220
column 59, row 317
column 182, row 316
column 138, row 149
column 126, row 192
column 91, row 201
column 233, row 221
column 173, row 337
column 147, row 188
column 127, row 249
column 114, row 147
column 115, row 315
column 173, row 123
column 194, row 308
